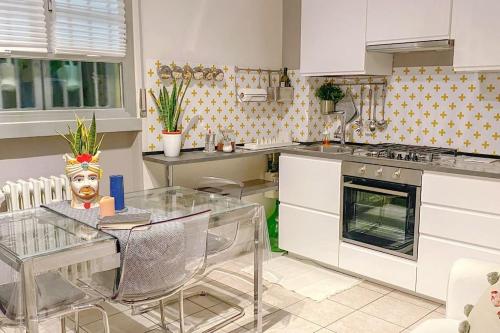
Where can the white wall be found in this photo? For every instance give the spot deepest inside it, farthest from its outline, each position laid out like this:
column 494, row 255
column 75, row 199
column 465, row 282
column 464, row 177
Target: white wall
column 226, row 32
column 42, row 156
column 239, row 32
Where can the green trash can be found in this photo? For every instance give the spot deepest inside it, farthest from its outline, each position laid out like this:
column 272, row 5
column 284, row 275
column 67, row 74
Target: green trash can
column 273, row 228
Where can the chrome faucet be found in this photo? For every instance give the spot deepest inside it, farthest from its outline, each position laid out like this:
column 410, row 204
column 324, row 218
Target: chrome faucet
column 342, row 127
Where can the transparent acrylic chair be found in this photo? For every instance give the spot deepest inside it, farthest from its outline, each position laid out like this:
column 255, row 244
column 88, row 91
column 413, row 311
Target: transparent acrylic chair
column 220, row 240
column 57, row 297
column 158, row 260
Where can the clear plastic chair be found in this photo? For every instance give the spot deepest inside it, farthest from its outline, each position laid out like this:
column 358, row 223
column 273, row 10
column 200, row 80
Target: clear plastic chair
column 220, row 239
column 157, row 261
column 223, row 237
column 57, row 297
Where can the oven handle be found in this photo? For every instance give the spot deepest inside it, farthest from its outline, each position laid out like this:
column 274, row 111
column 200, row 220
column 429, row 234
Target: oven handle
column 376, row 189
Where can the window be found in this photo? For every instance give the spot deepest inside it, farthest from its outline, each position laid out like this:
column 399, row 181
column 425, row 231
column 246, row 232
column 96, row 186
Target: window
column 88, row 27
column 61, row 57
column 22, row 26
column 59, row 84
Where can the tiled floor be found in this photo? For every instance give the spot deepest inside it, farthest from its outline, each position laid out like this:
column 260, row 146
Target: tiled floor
column 366, row 308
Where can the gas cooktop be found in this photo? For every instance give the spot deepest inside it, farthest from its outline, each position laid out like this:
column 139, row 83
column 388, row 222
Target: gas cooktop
column 392, row 151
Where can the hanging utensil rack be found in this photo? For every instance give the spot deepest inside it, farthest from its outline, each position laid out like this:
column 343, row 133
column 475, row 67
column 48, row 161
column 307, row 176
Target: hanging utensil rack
column 274, row 94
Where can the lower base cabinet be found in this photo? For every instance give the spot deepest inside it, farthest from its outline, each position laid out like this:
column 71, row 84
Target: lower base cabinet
column 436, row 257
column 377, row 265
column 309, row 233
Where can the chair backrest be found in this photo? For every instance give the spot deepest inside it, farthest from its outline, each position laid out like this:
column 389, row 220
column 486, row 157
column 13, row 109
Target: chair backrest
column 221, row 186
column 161, row 257
column 31, row 193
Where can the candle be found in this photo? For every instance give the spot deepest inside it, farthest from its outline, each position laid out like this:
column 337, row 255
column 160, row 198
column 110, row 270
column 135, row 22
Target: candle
column 106, row 207
column 117, row 191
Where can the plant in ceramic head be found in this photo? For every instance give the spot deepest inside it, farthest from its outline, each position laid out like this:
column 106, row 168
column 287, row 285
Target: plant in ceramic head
column 169, row 107
column 82, row 168
column 330, row 94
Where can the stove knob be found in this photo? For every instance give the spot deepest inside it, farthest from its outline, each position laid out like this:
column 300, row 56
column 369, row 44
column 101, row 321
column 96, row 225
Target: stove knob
column 379, row 172
column 362, row 170
column 399, row 157
column 397, row 174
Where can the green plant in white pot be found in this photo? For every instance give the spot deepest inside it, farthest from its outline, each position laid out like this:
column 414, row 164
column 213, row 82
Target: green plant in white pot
column 169, row 107
column 329, row 94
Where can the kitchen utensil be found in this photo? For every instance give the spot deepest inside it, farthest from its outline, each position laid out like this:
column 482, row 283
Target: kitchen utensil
column 382, row 124
column 359, row 122
column 371, row 123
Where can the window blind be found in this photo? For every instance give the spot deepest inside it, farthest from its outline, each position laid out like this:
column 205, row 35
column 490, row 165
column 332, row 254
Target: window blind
column 22, row 26
column 88, row 27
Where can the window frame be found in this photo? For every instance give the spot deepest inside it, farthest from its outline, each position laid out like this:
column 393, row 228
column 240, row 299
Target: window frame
column 17, row 123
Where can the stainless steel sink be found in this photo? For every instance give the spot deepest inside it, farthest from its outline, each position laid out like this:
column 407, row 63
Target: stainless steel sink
column 332, row 149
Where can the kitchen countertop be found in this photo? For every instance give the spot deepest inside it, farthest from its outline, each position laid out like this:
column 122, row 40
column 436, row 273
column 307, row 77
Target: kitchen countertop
column 461, row 165
column 198, row 156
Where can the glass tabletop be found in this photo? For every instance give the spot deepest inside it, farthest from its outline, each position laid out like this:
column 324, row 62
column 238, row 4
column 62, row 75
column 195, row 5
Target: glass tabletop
column 36, row 232
column 177, row 201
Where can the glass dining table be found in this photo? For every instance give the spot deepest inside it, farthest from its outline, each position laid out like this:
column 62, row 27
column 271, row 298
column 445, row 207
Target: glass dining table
column 39, row 240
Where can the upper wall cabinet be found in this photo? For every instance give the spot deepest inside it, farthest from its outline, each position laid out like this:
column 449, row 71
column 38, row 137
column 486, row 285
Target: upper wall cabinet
column 476, row 30
column 397, row 21
column 333, row 40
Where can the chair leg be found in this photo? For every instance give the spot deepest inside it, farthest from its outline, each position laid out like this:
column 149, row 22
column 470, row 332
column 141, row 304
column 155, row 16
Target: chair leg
column 105, row 320
column 77, row 322
column 63, row 324
column 181, row 311
column 162, row 314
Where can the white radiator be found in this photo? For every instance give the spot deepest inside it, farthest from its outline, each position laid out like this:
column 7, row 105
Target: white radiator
column 31, row 193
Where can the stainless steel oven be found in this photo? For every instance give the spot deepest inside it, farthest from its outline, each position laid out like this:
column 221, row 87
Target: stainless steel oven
column 381, row 207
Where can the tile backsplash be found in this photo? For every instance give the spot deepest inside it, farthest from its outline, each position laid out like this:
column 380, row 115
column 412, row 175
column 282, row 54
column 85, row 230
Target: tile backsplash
column 424, row 106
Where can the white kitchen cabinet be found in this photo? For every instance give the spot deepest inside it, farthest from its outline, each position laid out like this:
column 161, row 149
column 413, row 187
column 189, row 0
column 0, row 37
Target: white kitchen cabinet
column 436, row 257
column 461, row 191
column 476, row 29
column 309, row 233
column 396, row 21
column 333, row 40
column 460, row 225
column 377, row 265
column 310, row 182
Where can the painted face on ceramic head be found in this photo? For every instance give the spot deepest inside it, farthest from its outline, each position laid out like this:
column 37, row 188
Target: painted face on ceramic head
column 85, row 185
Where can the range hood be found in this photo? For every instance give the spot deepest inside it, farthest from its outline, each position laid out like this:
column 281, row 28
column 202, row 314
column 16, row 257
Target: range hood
column 432, row 45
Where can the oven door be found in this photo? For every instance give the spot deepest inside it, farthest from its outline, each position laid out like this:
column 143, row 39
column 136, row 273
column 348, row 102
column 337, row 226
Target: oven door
column 381, row 215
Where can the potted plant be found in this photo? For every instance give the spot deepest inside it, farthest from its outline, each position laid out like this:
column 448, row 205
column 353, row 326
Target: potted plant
column 169, row 107
column 82, row 165
column 329, row 94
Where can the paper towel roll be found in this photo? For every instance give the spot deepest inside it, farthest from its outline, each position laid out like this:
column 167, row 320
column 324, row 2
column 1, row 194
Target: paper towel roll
column 252, row 95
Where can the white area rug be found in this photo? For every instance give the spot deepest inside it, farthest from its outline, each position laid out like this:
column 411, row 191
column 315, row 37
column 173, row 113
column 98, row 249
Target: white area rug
column 305, row 277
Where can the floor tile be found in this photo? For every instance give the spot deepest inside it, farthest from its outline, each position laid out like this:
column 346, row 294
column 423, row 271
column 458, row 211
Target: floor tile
column 358, row 322
column 322, row 313
column 396, row 311
column 172, row 311
column 356, row 297
column 414, row 300
column 248, row 317
column 279, row 297
column 197, row 322
column 123, row 322
column 375, row 287
column 441, row 309
column 324, row 330
column 283, row 321
column 432, row 315
column 89, row 316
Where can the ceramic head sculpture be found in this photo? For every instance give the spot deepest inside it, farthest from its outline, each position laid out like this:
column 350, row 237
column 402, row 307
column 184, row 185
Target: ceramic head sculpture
column 83, row 169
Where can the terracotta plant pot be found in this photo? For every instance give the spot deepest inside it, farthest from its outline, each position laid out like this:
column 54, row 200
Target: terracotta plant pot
column 172, row 142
